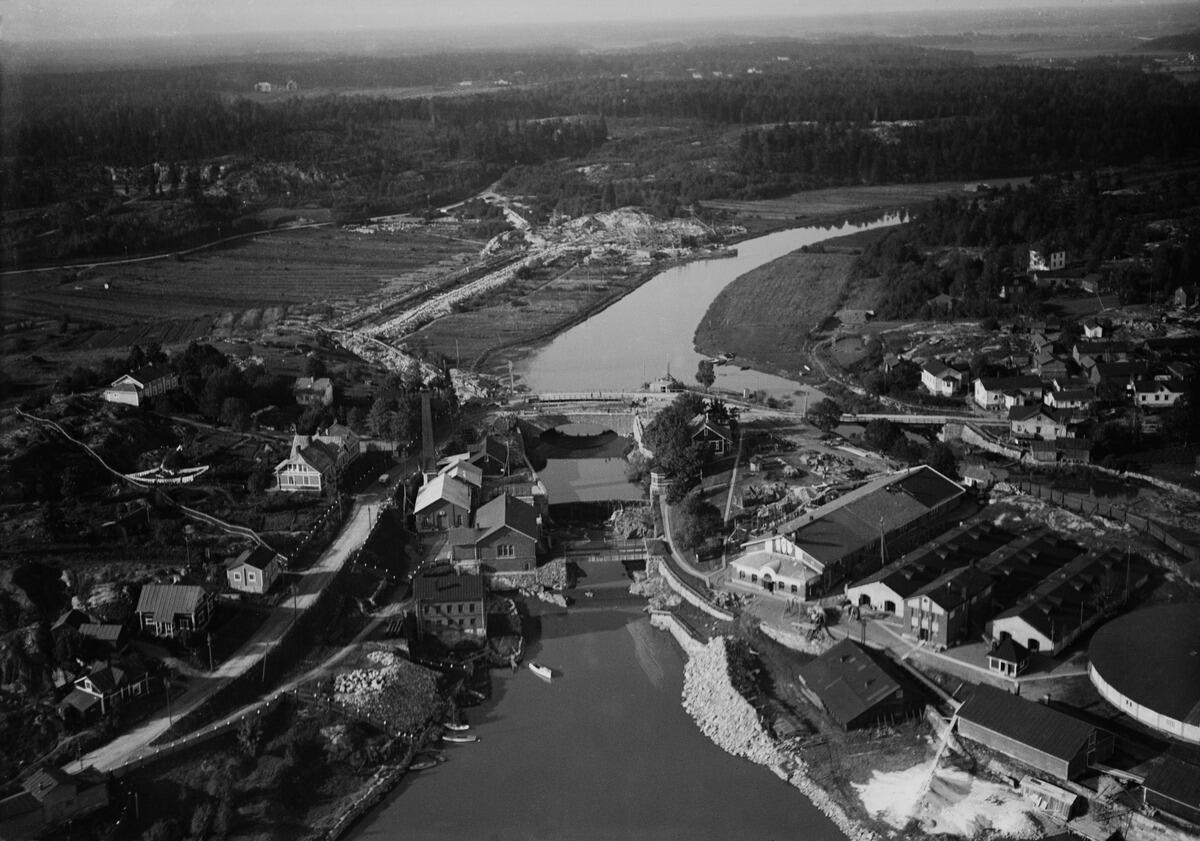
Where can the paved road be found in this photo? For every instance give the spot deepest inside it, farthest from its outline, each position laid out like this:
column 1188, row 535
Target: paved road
column 352, row 535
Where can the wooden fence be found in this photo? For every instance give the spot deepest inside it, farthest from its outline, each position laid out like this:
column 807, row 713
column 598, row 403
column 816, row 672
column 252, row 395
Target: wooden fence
column 1177, row 539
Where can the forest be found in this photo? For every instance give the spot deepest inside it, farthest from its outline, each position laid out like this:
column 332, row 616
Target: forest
column 828, row 115
column 1139, row 241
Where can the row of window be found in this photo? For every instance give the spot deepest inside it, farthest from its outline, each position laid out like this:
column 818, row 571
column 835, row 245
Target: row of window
column 437, row 608
column 754, row 580
column 447, row 620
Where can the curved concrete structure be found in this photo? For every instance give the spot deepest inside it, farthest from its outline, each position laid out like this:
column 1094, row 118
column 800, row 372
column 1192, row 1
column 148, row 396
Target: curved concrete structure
column 1147, row 665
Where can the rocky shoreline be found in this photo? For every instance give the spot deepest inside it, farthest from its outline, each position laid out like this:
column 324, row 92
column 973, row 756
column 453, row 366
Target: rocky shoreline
column 729, row 720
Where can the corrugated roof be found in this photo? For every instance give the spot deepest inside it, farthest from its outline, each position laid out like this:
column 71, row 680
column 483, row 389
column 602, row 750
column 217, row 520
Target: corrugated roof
column 102, row 632
column 443, row 488
column 848, row 681
column 447, row 586
column 955, row 587
column 1035, row 725
column 44, row 780
column 166, row 601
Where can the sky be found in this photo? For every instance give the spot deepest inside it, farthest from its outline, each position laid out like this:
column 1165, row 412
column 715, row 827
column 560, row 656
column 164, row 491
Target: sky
column 55, row 20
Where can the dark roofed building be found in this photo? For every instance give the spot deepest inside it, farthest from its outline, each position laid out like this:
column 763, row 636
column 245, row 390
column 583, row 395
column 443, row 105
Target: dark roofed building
column 167, row 610
column 50, row 797
column 1041, row 737
column 505, row 538
column 1173, row 786
column 1146, row 664
column 253, row 571
column 851, row 686
column 1009, row 658
column 447, row 600
column 943, row 611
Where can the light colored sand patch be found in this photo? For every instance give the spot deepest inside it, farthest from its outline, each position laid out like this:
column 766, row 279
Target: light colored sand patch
column 954, row 803
column 893, row 796
column 960, row 804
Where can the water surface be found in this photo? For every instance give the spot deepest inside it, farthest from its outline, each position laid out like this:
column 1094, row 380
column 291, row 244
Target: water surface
column 651, row 330
column 605, row 751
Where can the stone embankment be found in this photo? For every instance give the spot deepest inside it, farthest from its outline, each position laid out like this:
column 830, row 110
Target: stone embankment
column 731, row 722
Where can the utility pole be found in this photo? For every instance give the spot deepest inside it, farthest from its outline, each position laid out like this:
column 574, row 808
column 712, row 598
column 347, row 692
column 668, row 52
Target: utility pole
column 210, row 657
column 170, row 716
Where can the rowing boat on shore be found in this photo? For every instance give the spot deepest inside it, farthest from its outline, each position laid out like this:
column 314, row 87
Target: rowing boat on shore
column 451, row 725
column 459, row 737
column 544, row 672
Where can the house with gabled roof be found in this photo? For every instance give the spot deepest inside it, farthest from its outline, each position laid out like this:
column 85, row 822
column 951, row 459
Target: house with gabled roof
column 105, row 687
column 1157, row 394
column 939, row 378
column 254, row 570
column 311, row 466
column 505, row 538
column 1187, row 297
column 443, row 503
column 1008, row 658
column 997, row 392
column 310, row 391
column 168, row 610
column 717, row 438
column 944, row 610
column 135, row 388
column 1038, row 421
column 853, row 688
column 50, row 797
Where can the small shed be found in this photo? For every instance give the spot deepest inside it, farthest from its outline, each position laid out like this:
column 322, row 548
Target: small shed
column 1055, row 800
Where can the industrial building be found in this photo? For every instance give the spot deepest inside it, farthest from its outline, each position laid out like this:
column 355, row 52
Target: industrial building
column 853, row 687
column 1035, row 734
column 887, row 588
column 1068, row 602
column 844, row 537
column 1146, row 665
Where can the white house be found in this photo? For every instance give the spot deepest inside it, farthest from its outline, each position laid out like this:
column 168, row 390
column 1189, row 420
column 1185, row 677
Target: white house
column 167, row 610
column 939, row 378
column 1157, row 394
column 253, row 571
column 133, row 389
column 990, row 392
column 1037, row 421
column 1041, row 260
column 312, row 463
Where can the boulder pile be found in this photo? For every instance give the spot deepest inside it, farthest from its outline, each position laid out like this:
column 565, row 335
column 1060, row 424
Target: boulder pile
column 730, row 721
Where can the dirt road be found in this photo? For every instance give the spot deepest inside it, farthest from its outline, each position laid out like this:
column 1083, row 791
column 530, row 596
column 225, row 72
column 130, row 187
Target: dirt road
column 353, row 534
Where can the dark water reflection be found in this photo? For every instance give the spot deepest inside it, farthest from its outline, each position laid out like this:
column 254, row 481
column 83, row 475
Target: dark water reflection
column 604, row 751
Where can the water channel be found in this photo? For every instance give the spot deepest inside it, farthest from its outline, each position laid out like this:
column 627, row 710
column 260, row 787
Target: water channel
column 636, row 339
column 603, row 751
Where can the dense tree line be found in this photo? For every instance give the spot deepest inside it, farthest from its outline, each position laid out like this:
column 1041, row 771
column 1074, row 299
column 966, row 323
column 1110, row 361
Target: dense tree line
column 1139, row 241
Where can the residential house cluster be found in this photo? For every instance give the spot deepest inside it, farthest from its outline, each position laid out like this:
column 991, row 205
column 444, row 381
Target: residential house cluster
column 493, row 526
column 1054, row 393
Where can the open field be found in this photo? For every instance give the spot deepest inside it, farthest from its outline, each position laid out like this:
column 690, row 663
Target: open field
column 324, row 267
column 842, row 201
column 765, row 315
column 524, row 312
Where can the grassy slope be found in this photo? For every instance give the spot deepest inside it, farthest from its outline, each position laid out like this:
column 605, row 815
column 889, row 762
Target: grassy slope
column 765, row 315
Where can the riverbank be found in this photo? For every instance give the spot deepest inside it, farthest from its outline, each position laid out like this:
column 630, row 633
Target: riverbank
column 496, row 358
column 765, row 316
column 729, row 720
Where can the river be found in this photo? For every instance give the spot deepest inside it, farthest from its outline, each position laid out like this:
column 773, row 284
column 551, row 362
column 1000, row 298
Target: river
column 651, row 329
column 604, row 751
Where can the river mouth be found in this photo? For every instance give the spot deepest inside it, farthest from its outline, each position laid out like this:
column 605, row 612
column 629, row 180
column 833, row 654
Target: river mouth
column 651, row 330
column 602, row 751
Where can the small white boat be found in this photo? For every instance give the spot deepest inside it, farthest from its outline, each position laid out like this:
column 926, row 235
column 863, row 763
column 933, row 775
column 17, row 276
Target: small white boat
column 544, row 672
column 423, row 765
column 450, row 725
column 459, row 737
